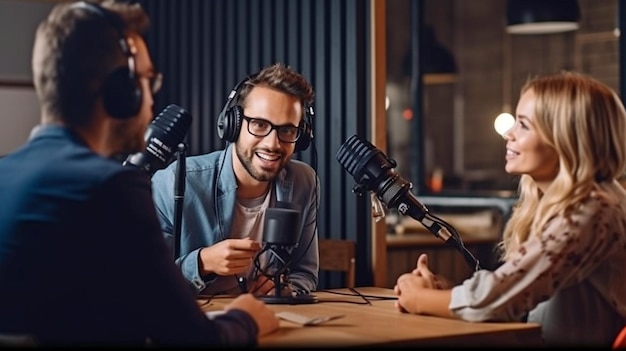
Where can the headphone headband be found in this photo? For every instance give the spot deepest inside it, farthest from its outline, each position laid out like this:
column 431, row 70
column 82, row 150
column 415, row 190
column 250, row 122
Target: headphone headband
column 121, row 93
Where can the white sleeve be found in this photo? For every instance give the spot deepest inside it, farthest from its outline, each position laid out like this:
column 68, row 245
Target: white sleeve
column 566, row 252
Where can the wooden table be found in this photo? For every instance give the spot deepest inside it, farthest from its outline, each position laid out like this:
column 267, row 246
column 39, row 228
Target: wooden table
column 380, row 324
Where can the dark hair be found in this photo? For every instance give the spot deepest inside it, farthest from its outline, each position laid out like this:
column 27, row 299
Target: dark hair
column 75, row 49
column 282, row 78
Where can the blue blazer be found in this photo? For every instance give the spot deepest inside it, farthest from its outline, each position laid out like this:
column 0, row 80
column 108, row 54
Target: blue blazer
column 82, row 256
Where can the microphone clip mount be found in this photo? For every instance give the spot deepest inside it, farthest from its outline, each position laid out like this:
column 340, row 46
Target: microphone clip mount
column 359, row 189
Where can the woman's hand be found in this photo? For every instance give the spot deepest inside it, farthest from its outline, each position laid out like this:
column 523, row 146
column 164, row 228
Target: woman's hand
column 435, row 281
column 410, row 287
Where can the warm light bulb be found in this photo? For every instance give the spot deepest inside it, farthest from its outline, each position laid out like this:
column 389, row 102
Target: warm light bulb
column 503, row 122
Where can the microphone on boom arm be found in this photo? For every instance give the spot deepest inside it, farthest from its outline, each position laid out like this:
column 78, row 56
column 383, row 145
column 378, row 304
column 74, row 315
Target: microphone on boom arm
column 373, row 171
column 162, row 139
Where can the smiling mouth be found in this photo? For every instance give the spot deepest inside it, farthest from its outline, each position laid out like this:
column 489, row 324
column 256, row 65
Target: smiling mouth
column 267, row 157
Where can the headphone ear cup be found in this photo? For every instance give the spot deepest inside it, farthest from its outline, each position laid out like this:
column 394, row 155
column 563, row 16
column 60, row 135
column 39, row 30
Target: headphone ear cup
column 221, row 125
column 305, row 137
column 229, row 125
column 121, row 94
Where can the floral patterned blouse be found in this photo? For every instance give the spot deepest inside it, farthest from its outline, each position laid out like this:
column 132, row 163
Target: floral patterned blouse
column 571, row 279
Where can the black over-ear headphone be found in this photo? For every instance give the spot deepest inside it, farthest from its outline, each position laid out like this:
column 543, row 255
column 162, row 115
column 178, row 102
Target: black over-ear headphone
column 230, row 119
column 121, row 93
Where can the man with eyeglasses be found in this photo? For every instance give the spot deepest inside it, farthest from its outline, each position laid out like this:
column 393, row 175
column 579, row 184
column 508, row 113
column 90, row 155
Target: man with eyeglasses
column 265, row 120
column 82, row 256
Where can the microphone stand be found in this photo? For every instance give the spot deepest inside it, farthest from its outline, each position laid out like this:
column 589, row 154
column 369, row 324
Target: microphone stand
column 282, row 256
column 179, row 195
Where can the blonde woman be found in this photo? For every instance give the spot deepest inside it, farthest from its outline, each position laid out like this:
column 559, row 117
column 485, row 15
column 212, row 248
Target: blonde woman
column 564, row 248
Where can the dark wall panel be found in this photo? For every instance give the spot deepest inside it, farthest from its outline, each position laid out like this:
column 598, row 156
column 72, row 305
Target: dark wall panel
column 205, row 47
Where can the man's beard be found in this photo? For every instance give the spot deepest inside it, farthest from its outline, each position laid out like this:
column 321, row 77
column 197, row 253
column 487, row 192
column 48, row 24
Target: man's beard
column 260, row 175
column 129, row 138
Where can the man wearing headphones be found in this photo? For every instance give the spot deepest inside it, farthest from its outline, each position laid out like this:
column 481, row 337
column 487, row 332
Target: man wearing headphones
column 265, row 120
column 82, row 256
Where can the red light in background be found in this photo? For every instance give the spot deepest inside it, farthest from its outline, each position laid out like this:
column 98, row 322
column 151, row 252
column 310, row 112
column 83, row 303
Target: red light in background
column 407, row 114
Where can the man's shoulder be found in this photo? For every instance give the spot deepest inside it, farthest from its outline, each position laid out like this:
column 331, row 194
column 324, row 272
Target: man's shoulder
column 301, row 174
column 88, row 165
column 193, row 164
column 205, row 162
column 299, row 168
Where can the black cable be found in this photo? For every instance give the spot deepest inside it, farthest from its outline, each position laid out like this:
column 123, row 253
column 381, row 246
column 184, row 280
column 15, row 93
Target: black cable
column 215, row 202
column 456, row 242
column 354, row 292
column 367, row 299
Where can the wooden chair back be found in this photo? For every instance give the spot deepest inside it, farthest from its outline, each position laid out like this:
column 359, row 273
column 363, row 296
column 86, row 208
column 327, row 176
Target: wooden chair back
column 338, row 255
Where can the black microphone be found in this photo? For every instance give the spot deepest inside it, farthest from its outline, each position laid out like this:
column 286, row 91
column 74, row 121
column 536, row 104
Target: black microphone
column 162, row 138
column 281, row 231
column 281, row 226
column 374, row 171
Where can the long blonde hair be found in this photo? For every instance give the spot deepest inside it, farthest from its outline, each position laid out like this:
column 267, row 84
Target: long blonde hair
column 585, row 122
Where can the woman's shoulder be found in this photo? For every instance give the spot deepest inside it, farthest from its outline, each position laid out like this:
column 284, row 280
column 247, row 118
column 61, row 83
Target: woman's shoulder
column 607, row 196
column 604, row 205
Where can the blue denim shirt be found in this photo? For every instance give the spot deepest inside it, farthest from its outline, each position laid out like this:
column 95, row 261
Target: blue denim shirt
column 208, row 209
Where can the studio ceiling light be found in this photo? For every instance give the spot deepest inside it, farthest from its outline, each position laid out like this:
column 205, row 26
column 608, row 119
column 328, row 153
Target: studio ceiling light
column 541, row 16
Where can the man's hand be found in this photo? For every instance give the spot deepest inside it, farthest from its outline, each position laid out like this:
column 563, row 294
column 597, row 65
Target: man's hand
column 265, row 318
column 228, row 257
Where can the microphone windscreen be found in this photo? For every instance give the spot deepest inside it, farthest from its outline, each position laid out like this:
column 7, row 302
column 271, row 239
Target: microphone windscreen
column 281, row 226
column 367, row 164
column 354, row 153
column 162, row 138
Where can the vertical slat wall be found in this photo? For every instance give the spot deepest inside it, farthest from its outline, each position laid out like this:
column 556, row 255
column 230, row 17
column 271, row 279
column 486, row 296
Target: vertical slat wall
column 205, row 47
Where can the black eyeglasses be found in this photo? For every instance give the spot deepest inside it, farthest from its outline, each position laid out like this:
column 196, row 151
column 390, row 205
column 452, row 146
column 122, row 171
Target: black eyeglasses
column 155, row 80
column 260, row 127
